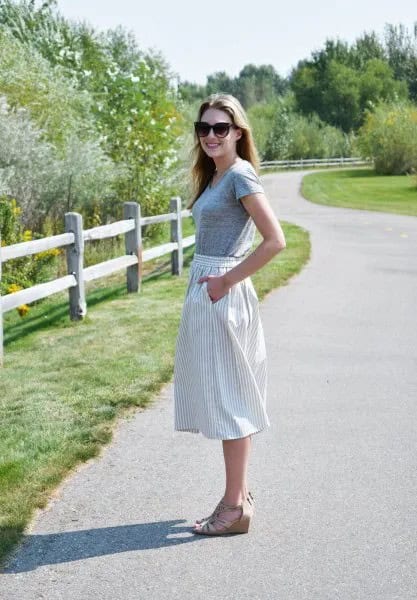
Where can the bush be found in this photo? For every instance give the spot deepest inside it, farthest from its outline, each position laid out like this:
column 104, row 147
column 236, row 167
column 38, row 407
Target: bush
column 311, row 138
column 22, row 272
column 261, row 118
column 389, row 136
column 283, row 134
column 44, row 183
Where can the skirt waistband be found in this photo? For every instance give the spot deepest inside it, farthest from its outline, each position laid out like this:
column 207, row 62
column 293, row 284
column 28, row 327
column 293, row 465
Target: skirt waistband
column 218, row 261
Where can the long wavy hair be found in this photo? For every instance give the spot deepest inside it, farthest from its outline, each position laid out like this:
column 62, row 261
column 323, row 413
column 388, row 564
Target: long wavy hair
column 203, row 166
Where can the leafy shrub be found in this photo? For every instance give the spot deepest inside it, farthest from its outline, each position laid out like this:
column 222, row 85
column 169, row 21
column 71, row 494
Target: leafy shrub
column 22, row 272
column 45, row 183
column 53, row 101
column 389, row 136
column 261, row 118
column 311, row 138
column 283, row 134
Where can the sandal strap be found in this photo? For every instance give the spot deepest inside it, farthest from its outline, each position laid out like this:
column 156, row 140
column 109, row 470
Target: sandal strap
column 215, row 512
column 210, row 525
column 221, row 506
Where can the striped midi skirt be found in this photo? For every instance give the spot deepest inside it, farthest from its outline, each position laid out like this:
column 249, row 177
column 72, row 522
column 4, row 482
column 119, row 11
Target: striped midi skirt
column 220, row 370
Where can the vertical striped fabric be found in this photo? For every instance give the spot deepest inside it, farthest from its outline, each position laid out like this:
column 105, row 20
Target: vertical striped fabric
column 220, row 373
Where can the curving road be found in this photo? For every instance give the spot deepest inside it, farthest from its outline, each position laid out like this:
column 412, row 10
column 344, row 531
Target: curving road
column 334, row 477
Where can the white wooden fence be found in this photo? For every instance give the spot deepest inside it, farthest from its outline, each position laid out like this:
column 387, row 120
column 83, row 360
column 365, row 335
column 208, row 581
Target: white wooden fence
column 73, row 240
column 314, row 162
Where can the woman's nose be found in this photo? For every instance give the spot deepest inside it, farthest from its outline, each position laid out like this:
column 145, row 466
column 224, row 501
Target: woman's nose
column 211, row 135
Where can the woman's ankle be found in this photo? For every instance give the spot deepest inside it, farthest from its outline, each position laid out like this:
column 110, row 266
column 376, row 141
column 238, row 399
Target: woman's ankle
column 234, row 499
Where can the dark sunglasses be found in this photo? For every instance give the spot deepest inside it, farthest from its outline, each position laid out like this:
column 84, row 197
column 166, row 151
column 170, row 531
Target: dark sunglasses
column 220, row 130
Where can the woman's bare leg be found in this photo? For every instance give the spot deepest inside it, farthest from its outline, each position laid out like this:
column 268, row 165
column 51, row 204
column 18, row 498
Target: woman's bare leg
column 236, row 458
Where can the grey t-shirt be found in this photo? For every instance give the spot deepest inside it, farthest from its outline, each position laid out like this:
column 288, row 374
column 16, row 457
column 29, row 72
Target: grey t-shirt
column 223, row 226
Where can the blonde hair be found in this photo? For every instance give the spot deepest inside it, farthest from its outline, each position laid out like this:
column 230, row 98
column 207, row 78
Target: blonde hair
column 204, row 166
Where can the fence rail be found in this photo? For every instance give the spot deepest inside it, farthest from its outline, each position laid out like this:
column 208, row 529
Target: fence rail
column 73, row 241
column 35, row 246
column 312, row 162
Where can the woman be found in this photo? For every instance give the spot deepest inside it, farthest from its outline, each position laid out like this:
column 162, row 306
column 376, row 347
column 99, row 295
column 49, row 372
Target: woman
column 220, row 359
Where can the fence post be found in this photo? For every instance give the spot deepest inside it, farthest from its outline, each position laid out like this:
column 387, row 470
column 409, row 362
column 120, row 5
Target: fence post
column 75, row 265
column 176, row 236
column 133, row 245
column 1, row 318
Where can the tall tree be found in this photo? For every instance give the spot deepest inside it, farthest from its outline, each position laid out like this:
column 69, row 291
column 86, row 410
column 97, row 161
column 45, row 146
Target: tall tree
column 401, row 48
column 220, row 82
column 338, row 82
column 253, row 84
column 259, row 84
column 366, row 48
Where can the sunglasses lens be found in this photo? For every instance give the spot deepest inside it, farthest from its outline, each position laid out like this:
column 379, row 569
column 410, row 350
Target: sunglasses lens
column 221, row 129
column 202, row 129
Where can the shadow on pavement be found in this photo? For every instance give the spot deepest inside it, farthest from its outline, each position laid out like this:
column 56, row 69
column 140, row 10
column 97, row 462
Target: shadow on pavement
column 38, row 550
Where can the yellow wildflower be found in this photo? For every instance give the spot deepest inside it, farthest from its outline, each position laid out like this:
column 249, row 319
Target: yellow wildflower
column 14, row 287
column 47, row 253
column 16, row 210
column 23, row 309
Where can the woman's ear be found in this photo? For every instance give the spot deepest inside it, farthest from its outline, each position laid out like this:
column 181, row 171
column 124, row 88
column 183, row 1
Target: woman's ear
column 238, row 133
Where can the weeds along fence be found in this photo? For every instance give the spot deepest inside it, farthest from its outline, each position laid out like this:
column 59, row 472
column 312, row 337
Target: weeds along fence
column 77, row 275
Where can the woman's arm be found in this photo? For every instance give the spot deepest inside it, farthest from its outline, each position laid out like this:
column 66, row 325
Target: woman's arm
column 273, row 242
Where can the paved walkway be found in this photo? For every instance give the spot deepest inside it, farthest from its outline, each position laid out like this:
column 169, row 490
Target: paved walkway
column 334, row 477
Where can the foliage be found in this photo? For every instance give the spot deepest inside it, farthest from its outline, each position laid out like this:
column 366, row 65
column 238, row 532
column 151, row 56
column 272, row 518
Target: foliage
column 261, row 117
column 279, row 137
column 108, row 110
column 55, row 104
column 220, row 82
column 401, row 51
column 141, row 127
column 44, row 182
column 311, row 138
column 22, row 272
column 339, row 81
column 192, row 92
column 254, row 84
column 366, row 48
column 281, row 133
column 389, row 136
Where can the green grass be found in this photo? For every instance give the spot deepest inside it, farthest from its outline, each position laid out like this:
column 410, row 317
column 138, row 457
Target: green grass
column 362, row 189
column 65, row 383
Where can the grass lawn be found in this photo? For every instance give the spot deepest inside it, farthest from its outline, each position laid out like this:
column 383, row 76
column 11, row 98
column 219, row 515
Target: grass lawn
column 64, row 383
column 363, row 189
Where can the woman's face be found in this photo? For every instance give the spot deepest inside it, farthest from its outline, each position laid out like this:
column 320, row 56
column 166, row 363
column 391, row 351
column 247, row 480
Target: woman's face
column 214, row 146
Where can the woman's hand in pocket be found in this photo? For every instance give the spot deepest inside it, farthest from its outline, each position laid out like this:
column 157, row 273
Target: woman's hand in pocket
column 216, row 286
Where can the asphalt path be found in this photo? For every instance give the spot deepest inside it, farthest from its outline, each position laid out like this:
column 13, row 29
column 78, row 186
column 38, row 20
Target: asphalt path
column 334, row 477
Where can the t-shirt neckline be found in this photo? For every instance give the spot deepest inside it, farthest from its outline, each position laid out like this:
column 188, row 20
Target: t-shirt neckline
column 224, row 174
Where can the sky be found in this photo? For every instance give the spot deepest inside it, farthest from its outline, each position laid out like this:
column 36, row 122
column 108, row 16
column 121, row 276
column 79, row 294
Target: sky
column 198, row 39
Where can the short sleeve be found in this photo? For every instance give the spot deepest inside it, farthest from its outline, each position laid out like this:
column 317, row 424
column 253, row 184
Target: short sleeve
column 246, row 182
